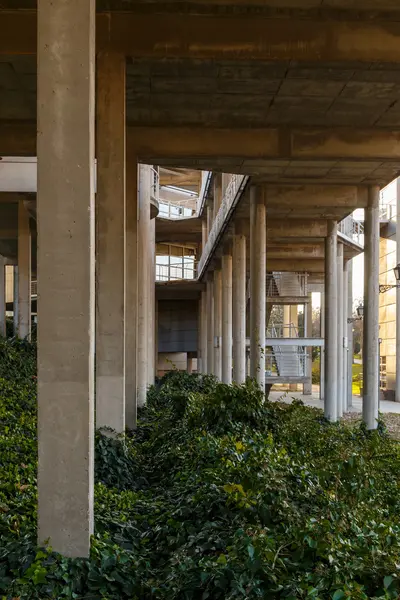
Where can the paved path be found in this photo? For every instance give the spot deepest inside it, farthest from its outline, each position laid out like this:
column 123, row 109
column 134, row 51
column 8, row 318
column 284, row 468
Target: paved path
column 385, row 406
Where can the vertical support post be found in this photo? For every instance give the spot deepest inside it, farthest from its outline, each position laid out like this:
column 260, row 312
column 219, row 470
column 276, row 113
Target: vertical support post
column 371, row 310
column 350, row 345
column 322, row 349
column 217, row 193
column 210, row 326
column 340, row 398
column 131, row 305
column 227, row 318
column 189, row 363
column 293, row 332
column 258, row 276
column 239, row 307
column 218, row 324
column 151, row 307
column 15, row 300
column 331, row 328
column 204, row 233
column 66, row 236
column 143, row 283
column 203, row 332
column 209, row 218
column 345, row 277
column 3, row 330
column 307, row 387
column 24, row 272
column 110, row 242
column 397, row 390
column 155, row 333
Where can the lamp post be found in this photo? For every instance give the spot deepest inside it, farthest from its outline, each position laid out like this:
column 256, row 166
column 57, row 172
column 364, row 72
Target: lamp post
column 360, row 315
column 384, row 287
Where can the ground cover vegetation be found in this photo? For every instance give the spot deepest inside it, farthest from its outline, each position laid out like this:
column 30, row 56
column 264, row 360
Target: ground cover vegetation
column 217, row 495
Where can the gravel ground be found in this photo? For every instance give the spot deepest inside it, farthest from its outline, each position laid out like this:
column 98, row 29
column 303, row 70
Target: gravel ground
column 392, row 421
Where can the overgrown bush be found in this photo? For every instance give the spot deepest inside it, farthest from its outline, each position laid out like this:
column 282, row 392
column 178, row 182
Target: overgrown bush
column 217, row 495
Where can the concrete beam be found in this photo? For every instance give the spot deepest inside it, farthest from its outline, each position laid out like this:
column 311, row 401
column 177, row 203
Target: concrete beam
column 296, row 251
column 295, row 228
column 301, row 265
column 244, row 36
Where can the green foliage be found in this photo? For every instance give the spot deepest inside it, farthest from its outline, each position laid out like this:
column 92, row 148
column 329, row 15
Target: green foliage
column 217, row 495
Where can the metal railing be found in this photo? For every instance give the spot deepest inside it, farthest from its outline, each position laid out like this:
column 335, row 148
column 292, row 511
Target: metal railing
column 387, row 212
column 231, row 197
column 282, row 330
column 182, row 270
column 168, row 210
column 33, row 288
column 286, row 284
column 352, row 229
column 286, row 362
column 155, row 184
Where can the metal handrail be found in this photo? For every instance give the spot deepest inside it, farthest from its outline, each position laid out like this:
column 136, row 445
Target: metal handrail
column 184, row 270
column 352, row 229
column 155, row 183
column 167, row 210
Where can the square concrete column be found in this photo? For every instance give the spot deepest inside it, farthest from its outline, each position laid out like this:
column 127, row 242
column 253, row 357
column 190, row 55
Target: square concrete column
column 239, row 307
column 345, row 276
column 217, row 193
column 307, row 387
column 331, row 326
column 293, row 332
column 24, row 273
column 152, row 299
column 110, row 242
column 15, row 300
column 144, row 304
column 203, row 332
column 66, row 246
column 322, row 349
column 397, row 389
column 340, row 396
column 371, row 311
column 210, row 218
column 2, row 297
column 131, row 306
column 217, row 287
column 258, row 277
column 227, row 318
column 204, row 232
column 210, row 325
column 350, row 354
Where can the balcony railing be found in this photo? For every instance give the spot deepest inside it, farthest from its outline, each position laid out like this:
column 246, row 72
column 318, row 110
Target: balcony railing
column 286, row 362
column 282, row 330
column 168, row 210
column 185, row 269
column 231, row 197
column 286, row 284
column 352, row 229
column 387, row 212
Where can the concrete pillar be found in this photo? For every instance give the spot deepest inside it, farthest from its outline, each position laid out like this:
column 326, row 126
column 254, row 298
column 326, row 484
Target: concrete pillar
column 331, row 327
column 66, row 245
column 345, row 276
column 203, row 332
column 217, row 193
column 371, row 310
column 293, row 332
column 2, row 297
column 110, row 242
column 307, row 387
column 350, row 337
column 227, row 318
column 340, row 396
column 210, row 212
column 210, row 326
column 239, row 307
column 322, row 350
column 218, row 324
column 144, row 235
column 15, row 300
column 397, row 390
column 24, row 273
column 131, row 305
column 155, row 334
column 204, row 233
column 151, row 308
column 189, row 363
column 258, row 275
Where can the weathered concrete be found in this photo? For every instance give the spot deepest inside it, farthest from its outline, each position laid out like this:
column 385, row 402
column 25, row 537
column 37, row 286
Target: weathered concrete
column 227, row 335
column 397, row 389
column 2, row 297
column 340, row 395
column 151, row 307
column 217, row 194
column 202, row 365
column 66, row 232
column 345, row 297
column 257, row 285
column 144, row 234
column 131, row 306
column 24, row 272
column 239, row 307
column 217, row 288
column 371, row 311
column 110, row 242
column 350, row 353
column 307, row 387
column 322, row 334
column 210, row 326
column 331, row 326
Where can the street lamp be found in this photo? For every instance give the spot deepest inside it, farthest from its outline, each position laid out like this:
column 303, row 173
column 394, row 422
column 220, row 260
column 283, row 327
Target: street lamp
column 386, row 287
column 360, row 313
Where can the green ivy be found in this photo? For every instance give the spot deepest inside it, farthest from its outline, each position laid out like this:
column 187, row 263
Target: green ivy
column 216, row 495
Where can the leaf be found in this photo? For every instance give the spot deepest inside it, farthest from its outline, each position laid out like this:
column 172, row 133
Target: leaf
column 222, row 559
column 387, row 582
column 250, row 550
column 338, row 595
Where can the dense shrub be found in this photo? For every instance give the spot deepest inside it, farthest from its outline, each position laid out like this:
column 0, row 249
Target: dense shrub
column 217, row 495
